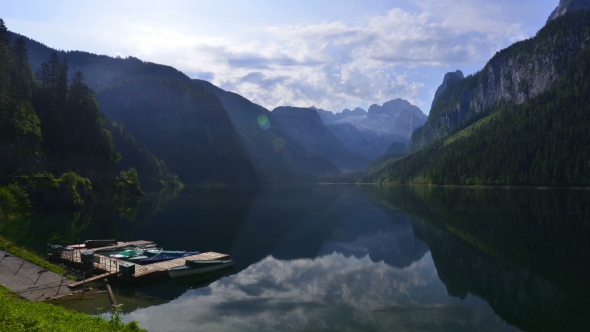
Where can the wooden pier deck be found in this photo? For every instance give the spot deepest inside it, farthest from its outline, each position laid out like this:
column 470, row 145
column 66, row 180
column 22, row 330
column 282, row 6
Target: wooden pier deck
column 111, row 265
column 98, row 277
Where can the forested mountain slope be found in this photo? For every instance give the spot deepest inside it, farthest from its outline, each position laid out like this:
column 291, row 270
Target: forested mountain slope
column 516, row 74
column 182, row 124
column 543, row 140
column 275, row 154
column 306, row 127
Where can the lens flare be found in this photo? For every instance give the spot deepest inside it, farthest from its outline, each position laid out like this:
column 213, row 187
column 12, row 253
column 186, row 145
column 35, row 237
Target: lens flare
column 263, row 122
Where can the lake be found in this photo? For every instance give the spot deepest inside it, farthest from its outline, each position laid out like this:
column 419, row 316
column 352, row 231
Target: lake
column 353, row 258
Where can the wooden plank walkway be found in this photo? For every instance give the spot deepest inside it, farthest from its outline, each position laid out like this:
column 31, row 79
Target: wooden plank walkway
column 80, row 283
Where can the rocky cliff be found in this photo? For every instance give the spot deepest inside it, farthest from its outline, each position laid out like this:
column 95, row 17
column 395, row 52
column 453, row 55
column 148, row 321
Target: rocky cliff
column 395, row 116
column 514, row 75
column 449, row 79
column 568, row 6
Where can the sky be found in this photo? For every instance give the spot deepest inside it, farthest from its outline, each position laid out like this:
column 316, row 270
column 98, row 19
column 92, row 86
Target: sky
column 332, row 54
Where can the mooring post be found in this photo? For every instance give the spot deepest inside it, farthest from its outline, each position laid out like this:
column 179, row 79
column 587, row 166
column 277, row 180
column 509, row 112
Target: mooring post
column 84, row 281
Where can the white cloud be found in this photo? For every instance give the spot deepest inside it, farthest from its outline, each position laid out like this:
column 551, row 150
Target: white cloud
column 335, row 65
column 333, row 292
column 332, row 65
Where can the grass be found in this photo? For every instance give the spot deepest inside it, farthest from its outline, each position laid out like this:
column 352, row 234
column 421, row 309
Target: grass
column 30, row 256
column 19, row 315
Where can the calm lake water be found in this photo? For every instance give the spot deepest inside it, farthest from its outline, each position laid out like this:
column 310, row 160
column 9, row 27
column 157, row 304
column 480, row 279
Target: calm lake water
column 350, row 258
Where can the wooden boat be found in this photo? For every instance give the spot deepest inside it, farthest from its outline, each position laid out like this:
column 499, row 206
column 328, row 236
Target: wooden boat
column 193, row 267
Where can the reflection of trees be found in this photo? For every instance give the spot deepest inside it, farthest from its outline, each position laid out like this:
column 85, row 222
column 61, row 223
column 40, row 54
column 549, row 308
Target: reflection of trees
column 524, row 251
column 106, row 219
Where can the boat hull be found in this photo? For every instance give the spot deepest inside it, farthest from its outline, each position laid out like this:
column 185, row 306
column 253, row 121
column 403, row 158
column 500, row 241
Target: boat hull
column 182, row 271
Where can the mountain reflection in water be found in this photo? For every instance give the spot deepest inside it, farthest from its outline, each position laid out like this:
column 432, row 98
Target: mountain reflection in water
column 372, row 259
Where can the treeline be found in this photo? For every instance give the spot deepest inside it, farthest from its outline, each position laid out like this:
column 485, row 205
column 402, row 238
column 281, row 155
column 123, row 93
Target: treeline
column 50, row 123
column 545, row 141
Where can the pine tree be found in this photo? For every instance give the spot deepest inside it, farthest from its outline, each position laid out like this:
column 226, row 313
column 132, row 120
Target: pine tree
column 4, row 34
column 22, row 80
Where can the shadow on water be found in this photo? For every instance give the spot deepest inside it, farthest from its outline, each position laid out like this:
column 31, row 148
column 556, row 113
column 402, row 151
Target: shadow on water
column 524, row 251
column 360, row 258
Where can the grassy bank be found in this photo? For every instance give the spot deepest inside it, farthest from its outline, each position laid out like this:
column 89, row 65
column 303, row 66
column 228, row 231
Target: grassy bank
column 29, row 255
column 19, row 315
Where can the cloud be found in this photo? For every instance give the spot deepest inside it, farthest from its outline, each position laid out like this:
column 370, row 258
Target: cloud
column 332, row 65
column 333, row 292
column 338, row 65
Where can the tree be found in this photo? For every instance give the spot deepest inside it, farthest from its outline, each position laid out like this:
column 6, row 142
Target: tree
column 4, row 34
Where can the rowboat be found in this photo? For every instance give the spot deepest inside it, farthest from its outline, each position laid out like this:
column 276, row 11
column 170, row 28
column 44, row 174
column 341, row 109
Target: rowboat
column 192, row 267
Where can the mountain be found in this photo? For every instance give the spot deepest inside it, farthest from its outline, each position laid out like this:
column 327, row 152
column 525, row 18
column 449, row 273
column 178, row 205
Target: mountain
column 50, row 126
column 329, row 117
column 449, row 79
column 568, row 6
column 522, row 120
column 516, row 74
column 306, row 127
column 396, row 116
column 280, row 157
column 183, row 124
column 366, row 142
column 151, row 171
column 288, row 162
column 371, row 133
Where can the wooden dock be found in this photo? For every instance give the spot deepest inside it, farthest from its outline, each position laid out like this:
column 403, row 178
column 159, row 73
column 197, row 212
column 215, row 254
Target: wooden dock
column 98, row 277
column 110, row 265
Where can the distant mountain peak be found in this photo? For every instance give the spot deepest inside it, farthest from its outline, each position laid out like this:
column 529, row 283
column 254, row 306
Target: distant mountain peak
column 450, row 77
column 392, row 107
column 568, row 6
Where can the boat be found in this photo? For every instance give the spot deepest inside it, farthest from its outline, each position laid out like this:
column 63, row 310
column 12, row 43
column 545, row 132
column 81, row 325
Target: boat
column 192, row 267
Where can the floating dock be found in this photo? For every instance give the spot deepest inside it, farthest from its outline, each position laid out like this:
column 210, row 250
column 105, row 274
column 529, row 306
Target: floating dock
column 109, row 266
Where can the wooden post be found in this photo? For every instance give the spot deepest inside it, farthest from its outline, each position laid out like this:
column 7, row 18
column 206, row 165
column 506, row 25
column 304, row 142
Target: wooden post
column 83, row 282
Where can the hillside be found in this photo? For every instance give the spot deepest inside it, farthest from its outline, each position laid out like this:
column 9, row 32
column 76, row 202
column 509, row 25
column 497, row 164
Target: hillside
column 306, row 127
column 291, row 163
column 516, row 74
column 543, row 140
column 183, row 125
column 275, row 152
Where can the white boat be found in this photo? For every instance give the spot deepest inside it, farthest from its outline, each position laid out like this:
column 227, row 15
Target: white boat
column 193, row 267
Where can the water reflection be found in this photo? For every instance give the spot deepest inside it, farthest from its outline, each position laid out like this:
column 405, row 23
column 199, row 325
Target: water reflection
column 332, row 292
column 523, row 251
column 367, row 258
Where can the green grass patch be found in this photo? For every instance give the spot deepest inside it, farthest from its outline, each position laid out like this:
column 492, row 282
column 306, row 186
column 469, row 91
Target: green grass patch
column 19, row 315
column 29, row 256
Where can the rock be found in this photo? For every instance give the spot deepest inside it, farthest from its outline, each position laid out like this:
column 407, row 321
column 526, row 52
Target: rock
column 568, row 6
column 450, row 78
